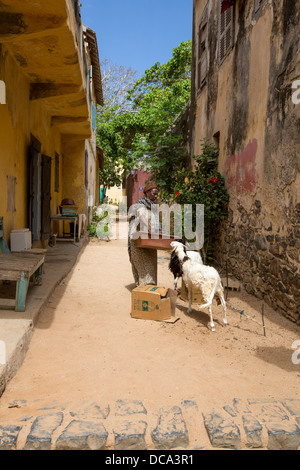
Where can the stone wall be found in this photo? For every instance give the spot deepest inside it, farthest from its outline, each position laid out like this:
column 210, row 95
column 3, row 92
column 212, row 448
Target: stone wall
column 247, row 102
column 267, row 263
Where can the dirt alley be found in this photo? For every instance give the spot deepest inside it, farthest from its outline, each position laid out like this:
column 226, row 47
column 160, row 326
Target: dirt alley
column 86, row 346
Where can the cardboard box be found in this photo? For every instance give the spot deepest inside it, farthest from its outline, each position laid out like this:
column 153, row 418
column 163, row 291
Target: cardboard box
column 196, row 295
column 150, row 302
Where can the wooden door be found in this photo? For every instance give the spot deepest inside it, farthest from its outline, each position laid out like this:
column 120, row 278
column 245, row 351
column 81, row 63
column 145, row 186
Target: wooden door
column 35, row 189
column 46, row 197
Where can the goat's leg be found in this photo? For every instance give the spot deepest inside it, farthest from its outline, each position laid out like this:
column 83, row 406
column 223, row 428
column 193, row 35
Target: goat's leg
column 190, row 301
column 212, row 325
column 205, row 305
column 224, row 310
column 175, row 282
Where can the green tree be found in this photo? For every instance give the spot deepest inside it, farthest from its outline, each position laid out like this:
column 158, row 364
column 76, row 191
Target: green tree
column 133, row 134
column 117, row 80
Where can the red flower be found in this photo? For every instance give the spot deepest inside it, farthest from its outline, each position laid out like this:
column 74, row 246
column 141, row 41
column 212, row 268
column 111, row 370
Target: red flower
column 177, row 193
column 208, row 180
column 214, row 179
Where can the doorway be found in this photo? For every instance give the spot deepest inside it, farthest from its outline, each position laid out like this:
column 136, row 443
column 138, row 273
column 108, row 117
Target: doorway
column 39, row 192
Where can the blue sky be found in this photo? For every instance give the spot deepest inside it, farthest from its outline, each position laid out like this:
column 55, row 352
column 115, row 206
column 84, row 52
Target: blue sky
column 138, row 33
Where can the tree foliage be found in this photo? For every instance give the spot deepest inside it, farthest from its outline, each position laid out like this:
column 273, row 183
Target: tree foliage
column 138, row 126
column 132, row 132
column 117, row 80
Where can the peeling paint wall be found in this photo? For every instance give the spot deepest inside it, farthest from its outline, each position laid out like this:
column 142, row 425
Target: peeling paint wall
column 247, row 99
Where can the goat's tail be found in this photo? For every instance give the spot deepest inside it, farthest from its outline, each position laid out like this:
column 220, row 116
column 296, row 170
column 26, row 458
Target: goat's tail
column 214, row 290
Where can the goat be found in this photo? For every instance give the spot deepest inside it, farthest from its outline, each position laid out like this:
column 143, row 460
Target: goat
column 175, row 264
column 201, row 277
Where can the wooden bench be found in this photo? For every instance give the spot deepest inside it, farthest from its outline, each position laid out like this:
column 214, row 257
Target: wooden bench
column 19, row 267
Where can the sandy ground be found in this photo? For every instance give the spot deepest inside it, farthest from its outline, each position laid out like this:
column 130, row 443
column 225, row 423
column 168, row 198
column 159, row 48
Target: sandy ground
column 87, row 347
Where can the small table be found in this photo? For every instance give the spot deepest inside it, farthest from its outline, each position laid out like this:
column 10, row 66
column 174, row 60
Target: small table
column 20, row 267
column 69, row 218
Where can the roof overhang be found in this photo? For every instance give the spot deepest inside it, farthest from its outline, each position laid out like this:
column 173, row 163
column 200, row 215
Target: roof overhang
column 44, row 38
column 91, row 39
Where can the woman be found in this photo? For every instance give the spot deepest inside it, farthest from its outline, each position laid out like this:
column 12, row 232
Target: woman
column 145, row 217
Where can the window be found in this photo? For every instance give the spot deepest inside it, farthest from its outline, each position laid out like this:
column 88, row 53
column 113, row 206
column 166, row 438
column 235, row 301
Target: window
column 216, row 139
column 94, row 116
column 226, row 30
column 202, row 57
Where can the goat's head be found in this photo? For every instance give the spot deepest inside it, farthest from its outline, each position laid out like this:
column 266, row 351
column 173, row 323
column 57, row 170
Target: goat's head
column 177, row 246
column 180, row 240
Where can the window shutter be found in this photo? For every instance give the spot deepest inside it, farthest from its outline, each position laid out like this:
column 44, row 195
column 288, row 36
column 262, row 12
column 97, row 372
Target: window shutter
column 86, row 168
column 203, row 69
column 226, row 31
column 202, row 59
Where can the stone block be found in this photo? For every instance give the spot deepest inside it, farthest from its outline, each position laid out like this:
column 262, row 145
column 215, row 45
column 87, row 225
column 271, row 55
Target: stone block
column 130, row 435
column 171, row 430
column 92, row 410
column 41, row 431
column 257, row 401
column 253, row 430
column 260, row 243
column 241, row 406
column 230, row 411
column 83, row 435
column 9, row 436
column 270, row 413
column 223, row 432
column 129, row 407
column 292, row 405
column 283, row 435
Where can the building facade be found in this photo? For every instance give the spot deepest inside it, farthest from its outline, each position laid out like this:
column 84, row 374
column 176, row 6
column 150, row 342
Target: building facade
column 246, row 71
column 49, row 67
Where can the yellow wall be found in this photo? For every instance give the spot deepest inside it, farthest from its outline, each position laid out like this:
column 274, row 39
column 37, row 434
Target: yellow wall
column 74, row 172
column 116, row 194
column 14, row 138
column 19, row 119
column 47, row 97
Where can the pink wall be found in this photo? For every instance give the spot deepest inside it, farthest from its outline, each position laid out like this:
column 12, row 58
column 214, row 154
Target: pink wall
column 241, row 170
column 135, row 185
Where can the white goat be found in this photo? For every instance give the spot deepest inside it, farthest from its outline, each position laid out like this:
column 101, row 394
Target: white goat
column 203, row 278
column 175, row 266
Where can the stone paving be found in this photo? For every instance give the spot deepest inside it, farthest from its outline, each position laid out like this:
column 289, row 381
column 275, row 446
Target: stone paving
column 127, row 425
